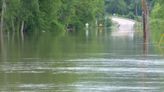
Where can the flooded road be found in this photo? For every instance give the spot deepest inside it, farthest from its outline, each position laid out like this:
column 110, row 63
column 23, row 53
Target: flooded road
column 125, row 27
column 96, row 62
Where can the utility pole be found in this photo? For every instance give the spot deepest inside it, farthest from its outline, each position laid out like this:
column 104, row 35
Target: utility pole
column 145, row 14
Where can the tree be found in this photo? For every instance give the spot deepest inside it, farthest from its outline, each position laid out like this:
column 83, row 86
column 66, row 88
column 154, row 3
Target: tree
column 157, row 16
column 2, row 15
column 124, row 7
column 116, row 6
column 145, row 20
column 48, row 15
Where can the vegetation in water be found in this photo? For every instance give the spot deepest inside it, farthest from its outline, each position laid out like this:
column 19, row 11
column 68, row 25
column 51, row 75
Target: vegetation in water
column 49, row 15
column 157, row 20
column 60, row 15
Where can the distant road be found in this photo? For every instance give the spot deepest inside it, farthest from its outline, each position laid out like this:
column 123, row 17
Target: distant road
column 123, row 20
column 125, row 26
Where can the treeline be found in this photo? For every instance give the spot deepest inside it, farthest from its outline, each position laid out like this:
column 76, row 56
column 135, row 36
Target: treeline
column 48, row 15
column 157, row 20
column 127, row 8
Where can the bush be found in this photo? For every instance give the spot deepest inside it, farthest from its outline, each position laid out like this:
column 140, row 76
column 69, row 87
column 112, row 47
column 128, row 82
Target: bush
column 131, row 15
column 108, row 22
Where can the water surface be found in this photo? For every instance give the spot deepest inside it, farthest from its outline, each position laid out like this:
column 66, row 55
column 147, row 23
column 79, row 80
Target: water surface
column 92, row 61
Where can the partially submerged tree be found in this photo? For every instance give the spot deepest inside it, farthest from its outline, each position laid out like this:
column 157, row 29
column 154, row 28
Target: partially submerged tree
column 145, row 15
column 3, row 2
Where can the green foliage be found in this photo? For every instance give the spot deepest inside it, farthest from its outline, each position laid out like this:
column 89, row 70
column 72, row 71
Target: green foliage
column 51, row 15
column 157, row 20
column 124, row 7
column 130, row 15
column 157, row 11
column 116, row 6
column 108, row 23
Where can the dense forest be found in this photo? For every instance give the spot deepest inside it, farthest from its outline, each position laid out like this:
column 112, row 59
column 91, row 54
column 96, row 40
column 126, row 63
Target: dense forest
column 126, row 8
column 48, row 15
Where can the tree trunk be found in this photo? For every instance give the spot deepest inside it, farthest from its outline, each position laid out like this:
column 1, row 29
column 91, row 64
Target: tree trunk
column 12, row 24
column 21, row 31
column 145, row 15
column 2, row 17
column 136, row 8
column 2, row 47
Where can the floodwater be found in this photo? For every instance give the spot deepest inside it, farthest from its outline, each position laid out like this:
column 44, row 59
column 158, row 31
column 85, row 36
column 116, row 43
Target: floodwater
column 90, row 61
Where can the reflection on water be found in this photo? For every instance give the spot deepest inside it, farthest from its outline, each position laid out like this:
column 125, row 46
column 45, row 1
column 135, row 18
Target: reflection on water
column 129, row 34
column 86, row 62
column 81, row 75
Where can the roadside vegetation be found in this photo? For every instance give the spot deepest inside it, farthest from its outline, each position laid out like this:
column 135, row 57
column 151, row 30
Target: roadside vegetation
column 157, row 20
column 61, row 15
column 124, row 8
column 48, row 15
